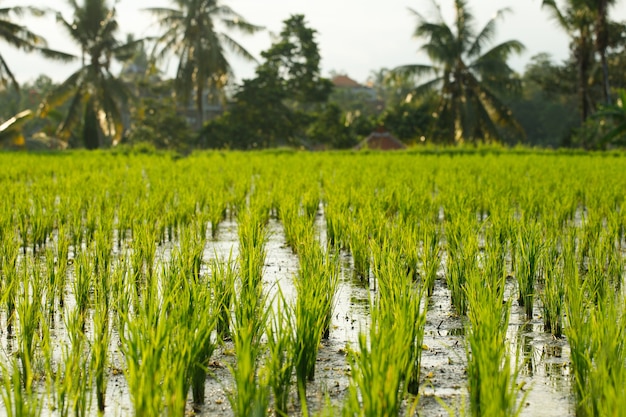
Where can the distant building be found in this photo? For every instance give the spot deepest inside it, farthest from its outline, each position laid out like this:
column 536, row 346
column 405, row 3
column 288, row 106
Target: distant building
column 346, row 83
column 381, row 140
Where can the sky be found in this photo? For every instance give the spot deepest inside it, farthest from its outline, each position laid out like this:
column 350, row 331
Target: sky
column 355, row 37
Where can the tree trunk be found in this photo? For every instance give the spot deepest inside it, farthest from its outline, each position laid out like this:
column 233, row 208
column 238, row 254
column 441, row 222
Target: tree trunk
column 200, row 115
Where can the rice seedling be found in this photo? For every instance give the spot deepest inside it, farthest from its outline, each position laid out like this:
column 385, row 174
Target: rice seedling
column 492, row 382
column 17, row 400
column 71, row 380
column 360, row 249
column 553, row 293
column 252, row 238
column 281, row 355
column 316, row 286
column 143, row 337
column 10, row 252
column 462, row 244
column 100, row 342
column 387, row 363
column 529, row 248
column 250, row 396
column 29, row 309
column 216, row 211
column 222, row 282
column 430, row 256
column 82, row 283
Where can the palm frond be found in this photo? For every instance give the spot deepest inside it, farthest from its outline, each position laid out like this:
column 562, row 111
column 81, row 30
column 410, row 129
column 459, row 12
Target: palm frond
column 487, row 34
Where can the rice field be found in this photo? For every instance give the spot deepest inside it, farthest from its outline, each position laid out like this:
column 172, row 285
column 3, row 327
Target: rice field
column 476, row 282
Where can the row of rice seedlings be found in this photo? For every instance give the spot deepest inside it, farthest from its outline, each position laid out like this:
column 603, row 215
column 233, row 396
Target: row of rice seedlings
column 462, row 258
column 252, row 233
column 10, row 285
column 166, row 337
column 280, row 359
column 71, row 380
column 222, row 281
column 386, row 365
column 553, row 293
column 492, row 380
column 605, row 392
column 295, row 225
column 316, row 286
column 29, row 311
column 250, row 394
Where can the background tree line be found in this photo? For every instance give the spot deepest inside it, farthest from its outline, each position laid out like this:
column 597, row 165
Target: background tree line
column 467, row 93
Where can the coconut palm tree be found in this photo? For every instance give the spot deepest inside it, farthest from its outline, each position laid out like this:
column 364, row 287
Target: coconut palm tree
column 469, row 76
column 195, row 33
column 21, row 37
column 577, row 20
column 94, row 94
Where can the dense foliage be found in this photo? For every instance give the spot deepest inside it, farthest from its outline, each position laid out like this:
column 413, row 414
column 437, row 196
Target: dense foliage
column 467, row 93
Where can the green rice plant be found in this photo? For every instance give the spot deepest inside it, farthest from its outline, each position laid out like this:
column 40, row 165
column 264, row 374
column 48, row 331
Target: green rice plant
column 23, row 226
column 29, row 309
column 316, row 286
column 250, row 396
column 100, row 342
column 311, row 201
column 387, row 363
column 102, row 247
column 216, row 210
column 10, row 251
column 336, row 227
column 400, row 303
column 430, row 255
column 553, row 293
column 281, row 354
column 42, row 224
column 201, row 318
column 579, row 336
column 71, row 380
column 607, row 379
column 143, row 255
column 222, row 282
column 462, row 245
column 360, row 249
column 295, row 225
column 17, row 400
column 529, row 248
column 492, row 381
column 190, row 253
column 252, row 239
column 144, row 337
column 60, row 268
column 82, row 283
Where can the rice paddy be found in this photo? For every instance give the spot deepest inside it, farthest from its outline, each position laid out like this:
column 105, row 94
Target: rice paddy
column 477, row 282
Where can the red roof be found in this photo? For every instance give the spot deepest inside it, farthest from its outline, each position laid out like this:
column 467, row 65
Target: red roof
column 381, row 140
column 344, row 81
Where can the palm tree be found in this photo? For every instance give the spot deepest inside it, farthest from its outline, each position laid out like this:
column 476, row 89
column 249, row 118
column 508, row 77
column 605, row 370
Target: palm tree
column 21, row 37
column 469, row 77
column 602, row 41
column 577, row 20
column 192, row 33
column 94, row 94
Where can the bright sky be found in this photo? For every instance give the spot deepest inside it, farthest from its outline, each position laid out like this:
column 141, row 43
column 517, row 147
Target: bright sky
column 354, row 36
